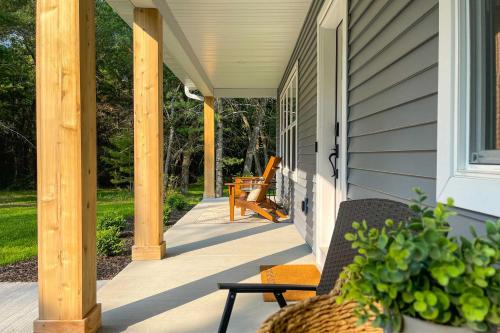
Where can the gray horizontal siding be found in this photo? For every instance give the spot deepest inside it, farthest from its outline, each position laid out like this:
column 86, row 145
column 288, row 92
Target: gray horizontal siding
column 392, row 117
column 408, row 90
column 392, row 102
column 405, row 15
column 357, row 14
column 305, row 54
column 413, row 38
column 420, row 111
column 416, row 163
column 410, row 65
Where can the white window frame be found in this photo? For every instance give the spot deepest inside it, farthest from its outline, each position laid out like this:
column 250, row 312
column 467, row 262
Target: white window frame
column 286, row 129
column 474, row 187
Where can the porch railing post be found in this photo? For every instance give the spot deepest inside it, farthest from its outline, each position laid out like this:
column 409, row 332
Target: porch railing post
column 66, row 161
column 148, row 135
column 209, row 143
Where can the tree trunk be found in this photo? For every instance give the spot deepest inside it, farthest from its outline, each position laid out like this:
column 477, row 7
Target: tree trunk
column 266, row 150
column 168, row 154
column 219, row 182
column 253, row 140
column 170, row 140
column 258, row 167
column 186, row 163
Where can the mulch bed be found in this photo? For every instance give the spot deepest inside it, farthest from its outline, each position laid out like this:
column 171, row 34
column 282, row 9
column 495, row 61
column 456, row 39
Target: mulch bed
column 107, row 267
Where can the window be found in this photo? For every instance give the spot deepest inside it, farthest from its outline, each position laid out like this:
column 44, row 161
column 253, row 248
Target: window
column 288, row 122
column 468, row 167
column 484, row 142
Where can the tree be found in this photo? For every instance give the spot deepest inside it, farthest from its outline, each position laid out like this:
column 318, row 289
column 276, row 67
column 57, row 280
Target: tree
column 119, row 157
column 219, row 152
column 237, row 120
column 17, row 94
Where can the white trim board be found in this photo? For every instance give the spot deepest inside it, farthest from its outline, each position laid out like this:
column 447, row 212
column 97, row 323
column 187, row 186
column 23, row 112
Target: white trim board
column 245, row 92
column 325, row 214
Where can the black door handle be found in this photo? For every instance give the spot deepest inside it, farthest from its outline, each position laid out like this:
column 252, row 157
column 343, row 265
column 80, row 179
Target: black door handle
column 333, row 162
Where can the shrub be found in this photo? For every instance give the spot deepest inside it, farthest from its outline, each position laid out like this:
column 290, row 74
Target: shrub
column 112, row 220
column 413, row 268
column 166, row 214
column 109, row 242
column 176, row 201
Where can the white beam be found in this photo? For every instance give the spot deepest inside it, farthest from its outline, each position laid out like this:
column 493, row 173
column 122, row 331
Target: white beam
column 245, row 92
column 178, row 54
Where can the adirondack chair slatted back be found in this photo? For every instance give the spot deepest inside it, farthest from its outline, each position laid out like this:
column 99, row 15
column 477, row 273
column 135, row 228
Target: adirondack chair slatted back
column 268, row 176
column 340, row 252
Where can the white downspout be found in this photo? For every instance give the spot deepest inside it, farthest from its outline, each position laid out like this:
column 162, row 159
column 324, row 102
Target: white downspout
column 189, row 94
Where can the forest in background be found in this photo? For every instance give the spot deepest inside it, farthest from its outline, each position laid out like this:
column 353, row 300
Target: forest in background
column 246, row 128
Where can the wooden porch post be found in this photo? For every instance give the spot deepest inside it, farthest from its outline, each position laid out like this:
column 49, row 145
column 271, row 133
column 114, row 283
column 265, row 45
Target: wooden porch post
column 66, row 140
column 209, row 137
column 148, row 135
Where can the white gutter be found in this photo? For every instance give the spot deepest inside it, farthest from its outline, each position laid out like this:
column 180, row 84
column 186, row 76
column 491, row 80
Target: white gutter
column 189, row 94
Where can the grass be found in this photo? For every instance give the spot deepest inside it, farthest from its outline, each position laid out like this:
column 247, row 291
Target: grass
column 18, row 229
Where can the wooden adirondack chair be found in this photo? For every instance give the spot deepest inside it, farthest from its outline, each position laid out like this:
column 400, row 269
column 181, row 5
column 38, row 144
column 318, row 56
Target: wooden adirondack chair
column 251, row 193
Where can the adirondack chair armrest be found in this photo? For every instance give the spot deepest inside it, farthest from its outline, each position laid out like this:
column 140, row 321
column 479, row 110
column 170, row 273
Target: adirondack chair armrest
column 247, row 177
column 246, row 184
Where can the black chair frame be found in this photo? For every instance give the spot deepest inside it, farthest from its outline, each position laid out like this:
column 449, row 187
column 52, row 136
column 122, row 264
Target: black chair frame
column 340, row 252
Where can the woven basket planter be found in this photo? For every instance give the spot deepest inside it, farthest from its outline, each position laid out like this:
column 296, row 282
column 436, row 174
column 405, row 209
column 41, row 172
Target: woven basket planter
column 320, row 314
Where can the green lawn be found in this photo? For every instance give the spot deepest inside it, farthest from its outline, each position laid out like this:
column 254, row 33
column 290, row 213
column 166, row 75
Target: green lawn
column 18, row 230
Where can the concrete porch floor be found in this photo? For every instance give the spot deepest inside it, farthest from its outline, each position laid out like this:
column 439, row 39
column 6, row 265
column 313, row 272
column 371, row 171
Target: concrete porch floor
column 179, row 293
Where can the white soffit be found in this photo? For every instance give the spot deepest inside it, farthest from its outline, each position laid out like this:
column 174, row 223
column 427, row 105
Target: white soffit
column 226, row 48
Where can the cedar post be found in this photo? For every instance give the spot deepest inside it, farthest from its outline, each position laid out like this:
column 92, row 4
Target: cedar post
column 148, row 135
column 66, row 182
column 209, row 137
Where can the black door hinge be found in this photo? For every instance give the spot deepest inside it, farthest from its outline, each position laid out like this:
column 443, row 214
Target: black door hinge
column 316, row 147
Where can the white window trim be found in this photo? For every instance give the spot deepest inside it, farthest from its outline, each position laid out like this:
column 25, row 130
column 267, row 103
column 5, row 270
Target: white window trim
column 285, row 170
column 473, row 187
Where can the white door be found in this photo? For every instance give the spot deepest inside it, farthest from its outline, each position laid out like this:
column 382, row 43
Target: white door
column 331, row 126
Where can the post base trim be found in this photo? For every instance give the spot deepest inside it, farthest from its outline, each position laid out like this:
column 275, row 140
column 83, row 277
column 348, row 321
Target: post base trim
column 151, row 252
column 90, row 324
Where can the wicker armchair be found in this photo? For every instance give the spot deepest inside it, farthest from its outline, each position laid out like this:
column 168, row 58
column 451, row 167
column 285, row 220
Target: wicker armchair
column 340, row 253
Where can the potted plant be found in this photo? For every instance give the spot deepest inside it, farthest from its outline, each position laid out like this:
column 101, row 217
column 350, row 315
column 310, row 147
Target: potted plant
column 411, row 277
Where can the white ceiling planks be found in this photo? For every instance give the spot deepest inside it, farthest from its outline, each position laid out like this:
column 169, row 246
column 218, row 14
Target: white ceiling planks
column 234, row 47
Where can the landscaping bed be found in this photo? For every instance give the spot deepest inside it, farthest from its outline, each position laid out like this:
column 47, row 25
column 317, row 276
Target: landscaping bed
column 107, row 266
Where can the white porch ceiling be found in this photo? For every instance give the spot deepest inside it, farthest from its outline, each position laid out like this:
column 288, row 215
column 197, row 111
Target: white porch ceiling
column 226, row 48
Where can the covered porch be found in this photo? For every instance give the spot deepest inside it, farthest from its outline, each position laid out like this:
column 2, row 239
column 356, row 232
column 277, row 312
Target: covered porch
column 244, row 58
column 179, row 294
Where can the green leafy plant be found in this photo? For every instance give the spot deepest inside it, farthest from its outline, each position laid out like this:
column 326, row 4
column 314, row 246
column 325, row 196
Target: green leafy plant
column 166, row 214
column 112, row 220
column 109, row 242
column 413, row 268
column 176, row 201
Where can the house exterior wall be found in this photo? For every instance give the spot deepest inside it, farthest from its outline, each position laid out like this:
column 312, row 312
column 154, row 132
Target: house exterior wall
column 293, row 192
column 392, row 102
column 392, row 106
column 392, row 98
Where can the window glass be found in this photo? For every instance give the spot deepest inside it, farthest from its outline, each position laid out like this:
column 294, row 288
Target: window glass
column 287, row 110
column 281, row 126
column 294, row 148
column 288, row 123
column 293, row 99
column 484, row 125
column 287, row 148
